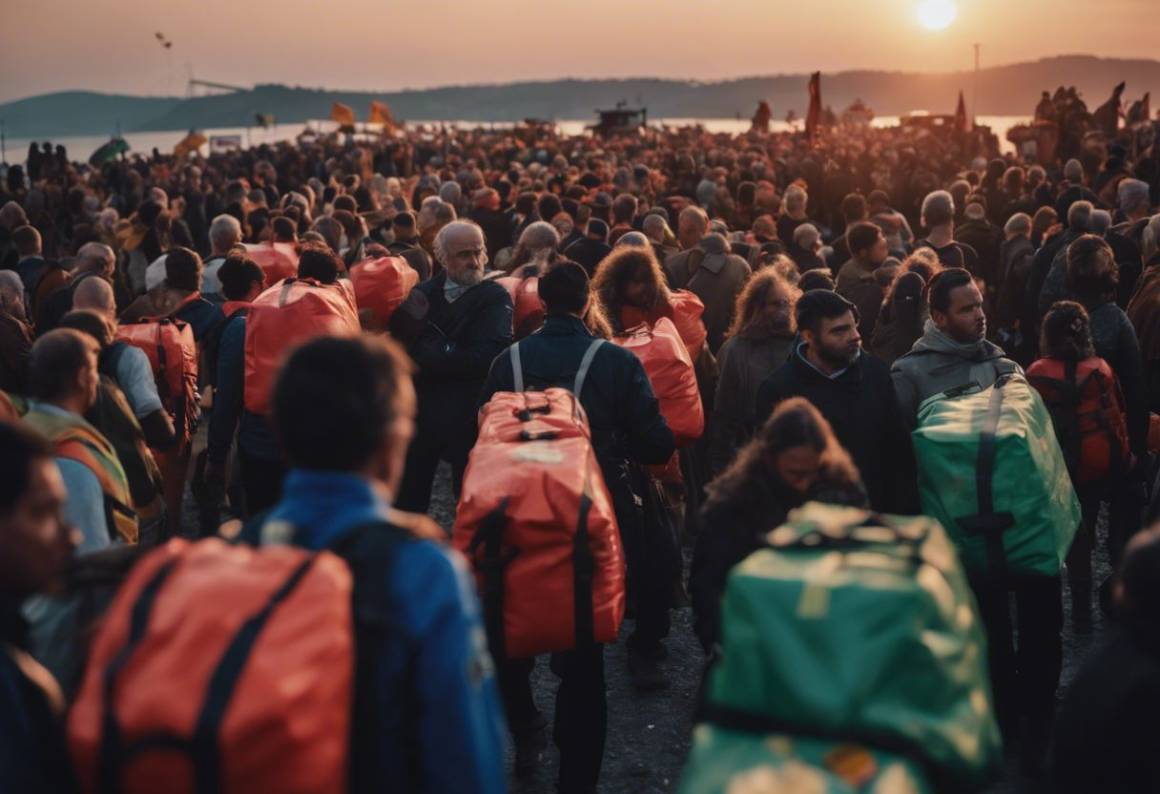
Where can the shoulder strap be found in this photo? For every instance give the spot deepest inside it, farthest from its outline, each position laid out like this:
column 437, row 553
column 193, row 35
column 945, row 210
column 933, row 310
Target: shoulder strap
column 585, row 365
column 517, row 368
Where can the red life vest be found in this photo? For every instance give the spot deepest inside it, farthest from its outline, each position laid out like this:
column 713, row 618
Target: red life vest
column 1087, row 410
column 172, row 352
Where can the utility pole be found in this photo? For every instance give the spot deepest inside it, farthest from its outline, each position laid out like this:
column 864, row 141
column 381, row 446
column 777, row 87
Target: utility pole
column 975, row 90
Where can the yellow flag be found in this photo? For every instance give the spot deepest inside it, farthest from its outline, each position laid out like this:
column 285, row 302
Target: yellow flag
column 190, row 143
column 380, row 113
column 343, row 114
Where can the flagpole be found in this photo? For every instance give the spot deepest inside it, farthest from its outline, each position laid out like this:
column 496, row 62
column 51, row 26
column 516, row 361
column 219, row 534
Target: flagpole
column 3, row 148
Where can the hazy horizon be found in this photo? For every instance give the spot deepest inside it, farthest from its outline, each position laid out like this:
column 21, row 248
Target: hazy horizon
column 366, row 45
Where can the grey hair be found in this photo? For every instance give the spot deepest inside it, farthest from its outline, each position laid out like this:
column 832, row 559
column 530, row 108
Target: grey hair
column 1073, row 170
column 632, row 238
column 654, row 227
column 1132, row 194
column 1019, row 223
column 1079, row 216
column 1101, row 221
column 939, row 203
column 11, row 285
column 224, row 231
column 1150, row 239
column 94, row 293
column 539, row 236
column 795, row 198
column 806, row 236
column 445, row 234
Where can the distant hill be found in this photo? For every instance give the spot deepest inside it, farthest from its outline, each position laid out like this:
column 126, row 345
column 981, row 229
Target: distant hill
column 1003, row 90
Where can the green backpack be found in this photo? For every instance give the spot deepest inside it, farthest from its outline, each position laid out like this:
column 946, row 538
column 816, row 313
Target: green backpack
column 736, row 762
column 991, row 471
column 855, row 627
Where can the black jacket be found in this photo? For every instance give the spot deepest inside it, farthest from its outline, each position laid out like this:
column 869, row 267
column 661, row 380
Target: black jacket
column 588, row 253
column 617, row 397
column 1106, row 732
column 860, row 405
column 453, row 353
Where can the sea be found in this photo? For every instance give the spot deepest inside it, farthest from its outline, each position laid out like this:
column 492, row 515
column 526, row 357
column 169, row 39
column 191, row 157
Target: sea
column 79, row 147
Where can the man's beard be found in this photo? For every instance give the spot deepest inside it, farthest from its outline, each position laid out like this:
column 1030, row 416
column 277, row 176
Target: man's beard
column 838, row 357
column 466, row 278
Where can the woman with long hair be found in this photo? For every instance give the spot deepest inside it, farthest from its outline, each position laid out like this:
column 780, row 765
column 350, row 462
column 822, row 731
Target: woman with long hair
column 758, row 342
column 794, row 458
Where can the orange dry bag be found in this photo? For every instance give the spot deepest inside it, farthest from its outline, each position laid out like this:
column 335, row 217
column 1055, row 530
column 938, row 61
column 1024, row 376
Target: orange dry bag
column 670, row 371
column 277, row 260
column 381, row 285
column 684, row 308
column 172, row 352
column 288, row 313
column 220, row 668
column 537, row 524
column 527, row 311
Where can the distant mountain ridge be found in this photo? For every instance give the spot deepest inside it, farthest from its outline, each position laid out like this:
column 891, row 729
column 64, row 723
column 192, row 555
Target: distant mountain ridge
column 1002, row 90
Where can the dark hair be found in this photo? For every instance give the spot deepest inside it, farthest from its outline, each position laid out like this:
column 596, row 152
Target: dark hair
column 56, row 359
column 319, row 262
column 183, row 269
column 1139, row 604
column 938, row 293
column 1091, row 268
column 861, row 236
column 564, row 289
column 236, row 275
column 91, row 323
column 815, row 279
column 346, row 202
column 22, row 447
column 820, row 304
column 284, row 229
column 549, row 206
column 794, row 423
column 1067, row 332
column 853, row 207
column 26, row 239
column 335, row 399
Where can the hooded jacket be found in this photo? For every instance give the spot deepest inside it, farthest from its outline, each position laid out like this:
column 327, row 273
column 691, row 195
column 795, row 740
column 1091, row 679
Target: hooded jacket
column 937, row 363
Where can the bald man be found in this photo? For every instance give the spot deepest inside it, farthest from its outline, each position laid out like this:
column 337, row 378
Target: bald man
column 15, row 334
column 128, row 366
column 92, row 260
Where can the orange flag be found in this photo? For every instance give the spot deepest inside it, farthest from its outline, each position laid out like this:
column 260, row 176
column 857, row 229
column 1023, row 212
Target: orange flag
column 343, row 114
column 380, row 113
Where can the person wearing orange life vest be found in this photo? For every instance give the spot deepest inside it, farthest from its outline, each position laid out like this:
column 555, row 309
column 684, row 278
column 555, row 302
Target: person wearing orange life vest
column 626, row 425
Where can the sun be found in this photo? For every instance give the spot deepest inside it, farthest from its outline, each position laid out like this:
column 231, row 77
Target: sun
column 936, row 14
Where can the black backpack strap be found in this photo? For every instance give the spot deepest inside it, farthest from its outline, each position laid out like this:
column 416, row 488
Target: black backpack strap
column 491, row 567
column 986, row 521
column 369, row 551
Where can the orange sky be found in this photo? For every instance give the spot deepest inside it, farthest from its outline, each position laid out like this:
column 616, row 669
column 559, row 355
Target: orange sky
column 50, row 45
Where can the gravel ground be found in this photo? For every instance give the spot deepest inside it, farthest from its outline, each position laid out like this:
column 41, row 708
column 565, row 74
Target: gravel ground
column 649, row 734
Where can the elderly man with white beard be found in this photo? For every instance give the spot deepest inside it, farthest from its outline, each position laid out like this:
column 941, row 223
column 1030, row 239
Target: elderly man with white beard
column 454, row 325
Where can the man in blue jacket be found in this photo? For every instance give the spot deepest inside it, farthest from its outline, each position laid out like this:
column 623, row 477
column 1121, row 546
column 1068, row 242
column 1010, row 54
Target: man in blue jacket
column 427, row 712
column 626, row 425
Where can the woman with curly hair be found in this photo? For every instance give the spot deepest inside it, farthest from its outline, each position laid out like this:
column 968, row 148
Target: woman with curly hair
column 759, row 341
column 794, row 458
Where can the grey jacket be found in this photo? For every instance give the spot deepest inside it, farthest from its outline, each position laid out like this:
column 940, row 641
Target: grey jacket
column 744, row 364
column 937, row 363
column 715, row 276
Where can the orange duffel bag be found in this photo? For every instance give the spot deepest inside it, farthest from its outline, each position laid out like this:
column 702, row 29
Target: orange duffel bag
column 277, row 260
column 220, row 668
column 683, row 308
column 169, row 345
column 670, row 371
column 527, row 310
column 286, row 314
column 537, row 524
column 381, row 285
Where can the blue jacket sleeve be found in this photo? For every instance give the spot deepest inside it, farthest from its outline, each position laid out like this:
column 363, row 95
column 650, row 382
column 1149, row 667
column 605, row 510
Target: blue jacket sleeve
column 461, row 729
column 227, row 399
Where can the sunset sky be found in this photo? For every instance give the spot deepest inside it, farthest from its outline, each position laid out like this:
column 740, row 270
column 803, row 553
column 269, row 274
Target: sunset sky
column 52, row 45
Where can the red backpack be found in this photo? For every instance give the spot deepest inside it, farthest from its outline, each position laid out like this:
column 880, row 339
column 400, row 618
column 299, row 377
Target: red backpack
column 277, row 260
column 527, row 311
column 670, row 371
column 172, row 352
column 381, row 285
column 536, row 521
column 1087, row 410
column 288, row 313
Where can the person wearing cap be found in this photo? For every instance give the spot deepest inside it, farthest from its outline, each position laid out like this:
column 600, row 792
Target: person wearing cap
column 626, row 425
column 714, row 274
column 406, row 244
column 853, row 391
column 592, row 248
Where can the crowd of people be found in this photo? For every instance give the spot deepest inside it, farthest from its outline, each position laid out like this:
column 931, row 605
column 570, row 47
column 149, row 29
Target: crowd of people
column 824, row 290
